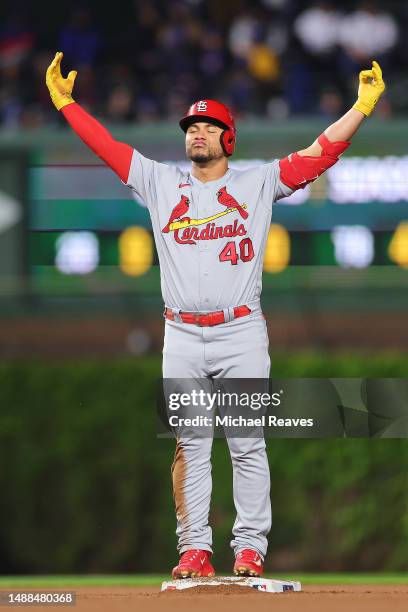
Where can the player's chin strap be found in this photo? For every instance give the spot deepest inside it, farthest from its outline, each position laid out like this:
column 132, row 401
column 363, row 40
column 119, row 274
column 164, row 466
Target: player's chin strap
column 297, row 171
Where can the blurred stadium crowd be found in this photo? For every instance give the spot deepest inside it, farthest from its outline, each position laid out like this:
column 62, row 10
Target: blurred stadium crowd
column 146, row 60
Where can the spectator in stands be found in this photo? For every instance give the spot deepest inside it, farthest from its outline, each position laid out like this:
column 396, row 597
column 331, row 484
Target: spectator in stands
column 120, row 105
column 317, row 28
column 141, row 37
column 263, row 66
column 240, row 89
column 16, row 43
column 79, row 40
column 364, row 34
column 331, row 103
column 367, row 33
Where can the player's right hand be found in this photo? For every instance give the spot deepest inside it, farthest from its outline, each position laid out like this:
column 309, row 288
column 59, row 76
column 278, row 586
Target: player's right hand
column 60, row 89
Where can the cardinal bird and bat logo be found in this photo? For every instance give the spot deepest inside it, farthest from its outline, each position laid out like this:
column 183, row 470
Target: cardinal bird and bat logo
column 179, row 220
column 230, row 202
column 178, row 212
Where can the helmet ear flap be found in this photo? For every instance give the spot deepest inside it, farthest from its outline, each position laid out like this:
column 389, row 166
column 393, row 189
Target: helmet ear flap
column 227, row 140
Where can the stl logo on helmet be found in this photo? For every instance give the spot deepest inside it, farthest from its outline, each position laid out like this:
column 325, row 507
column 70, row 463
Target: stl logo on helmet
column 201, row 106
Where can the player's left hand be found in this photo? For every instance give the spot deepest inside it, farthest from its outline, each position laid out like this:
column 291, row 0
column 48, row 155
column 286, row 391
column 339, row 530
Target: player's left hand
column 370, row 89
column 60, row 88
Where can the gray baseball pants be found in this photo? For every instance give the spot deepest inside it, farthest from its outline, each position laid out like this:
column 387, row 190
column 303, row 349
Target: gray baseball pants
column 237, row 349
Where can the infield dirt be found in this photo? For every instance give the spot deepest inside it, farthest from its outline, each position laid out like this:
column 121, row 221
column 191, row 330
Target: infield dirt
column 338, row 598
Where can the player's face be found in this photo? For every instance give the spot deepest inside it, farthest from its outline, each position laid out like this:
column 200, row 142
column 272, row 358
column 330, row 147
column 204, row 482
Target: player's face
column 203, row 142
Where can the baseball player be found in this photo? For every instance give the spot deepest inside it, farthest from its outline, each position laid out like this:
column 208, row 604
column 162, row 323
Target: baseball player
column 210, row 226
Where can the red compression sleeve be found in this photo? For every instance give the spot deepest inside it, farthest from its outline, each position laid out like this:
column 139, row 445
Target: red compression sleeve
column 296, row 171
column 117, row 155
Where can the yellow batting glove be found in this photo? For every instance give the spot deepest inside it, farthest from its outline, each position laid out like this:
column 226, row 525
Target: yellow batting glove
column 370, row 89
column 60, row 88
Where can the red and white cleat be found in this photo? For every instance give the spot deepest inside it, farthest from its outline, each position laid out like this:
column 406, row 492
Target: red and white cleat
column 248, row 563
column 194, row 564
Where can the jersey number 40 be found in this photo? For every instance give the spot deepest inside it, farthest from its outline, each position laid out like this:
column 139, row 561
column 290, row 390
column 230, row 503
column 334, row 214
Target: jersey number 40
column 229, row 252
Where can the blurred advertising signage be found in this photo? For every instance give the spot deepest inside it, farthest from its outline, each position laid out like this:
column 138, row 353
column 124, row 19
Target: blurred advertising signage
column 368, row 179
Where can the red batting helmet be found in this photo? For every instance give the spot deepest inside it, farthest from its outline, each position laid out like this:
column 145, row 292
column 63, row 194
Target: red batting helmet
column 213, row 112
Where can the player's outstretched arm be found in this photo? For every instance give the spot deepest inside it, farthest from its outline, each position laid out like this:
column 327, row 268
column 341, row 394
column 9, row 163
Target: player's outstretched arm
column 117, row 155
column 303, row 167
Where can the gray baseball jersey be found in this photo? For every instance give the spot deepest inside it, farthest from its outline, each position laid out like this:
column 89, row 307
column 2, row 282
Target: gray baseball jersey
column 210, row 237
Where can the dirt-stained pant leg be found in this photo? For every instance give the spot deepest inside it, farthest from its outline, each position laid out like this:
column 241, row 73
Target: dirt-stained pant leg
column 191, row 468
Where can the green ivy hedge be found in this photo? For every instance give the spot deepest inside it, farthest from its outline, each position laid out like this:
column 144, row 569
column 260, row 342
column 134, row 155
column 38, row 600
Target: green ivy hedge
column 85, row 483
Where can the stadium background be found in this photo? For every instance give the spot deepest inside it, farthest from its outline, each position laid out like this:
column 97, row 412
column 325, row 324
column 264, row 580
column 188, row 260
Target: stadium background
column 85, row 482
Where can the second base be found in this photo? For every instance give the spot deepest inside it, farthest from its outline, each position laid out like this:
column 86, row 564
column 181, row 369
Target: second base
column 266, row 585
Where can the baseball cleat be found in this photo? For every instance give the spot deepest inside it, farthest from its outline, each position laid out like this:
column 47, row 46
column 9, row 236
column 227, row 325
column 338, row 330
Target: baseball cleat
column 194, row 564
column 248, row 563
